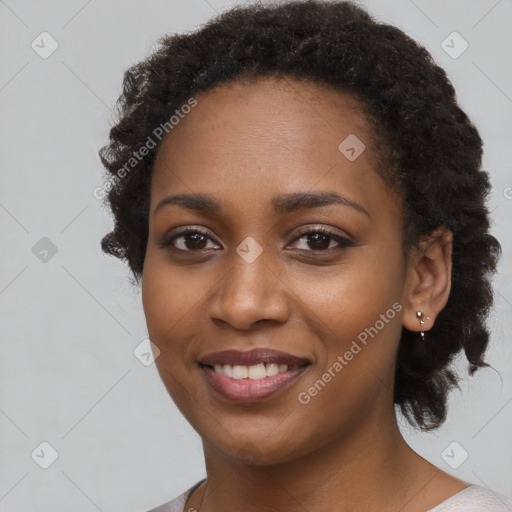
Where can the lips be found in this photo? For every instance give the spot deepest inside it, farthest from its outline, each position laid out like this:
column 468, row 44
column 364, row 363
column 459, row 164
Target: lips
column 253, row 357
column 251, row 376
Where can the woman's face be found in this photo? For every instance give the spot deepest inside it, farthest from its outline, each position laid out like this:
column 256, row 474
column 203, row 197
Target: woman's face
column 256, row 273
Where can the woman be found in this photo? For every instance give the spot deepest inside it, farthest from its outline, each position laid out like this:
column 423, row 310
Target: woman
column 301, row 197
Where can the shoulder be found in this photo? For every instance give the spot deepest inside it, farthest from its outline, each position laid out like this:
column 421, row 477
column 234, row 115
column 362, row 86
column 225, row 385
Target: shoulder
column 475, row 498
column 178, row 503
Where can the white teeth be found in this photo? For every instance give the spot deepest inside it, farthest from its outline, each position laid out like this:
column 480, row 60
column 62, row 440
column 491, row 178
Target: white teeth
column 254, row 372
column 240, row 372
column 272, row 369
column 257, row 371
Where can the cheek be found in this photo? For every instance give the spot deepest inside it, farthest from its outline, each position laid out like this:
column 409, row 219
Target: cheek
column 169, row 303
column 355, row 311
column 172, row 299
column 351, row 296
column 170, row 293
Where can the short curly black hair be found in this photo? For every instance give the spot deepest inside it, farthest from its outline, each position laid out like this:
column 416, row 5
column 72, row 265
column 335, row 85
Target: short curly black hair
column 431, row 150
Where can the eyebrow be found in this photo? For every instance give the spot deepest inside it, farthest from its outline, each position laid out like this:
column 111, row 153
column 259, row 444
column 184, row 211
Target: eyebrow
column 283, row 204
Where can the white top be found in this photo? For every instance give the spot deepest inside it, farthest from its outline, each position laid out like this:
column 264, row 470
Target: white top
column 473, row 498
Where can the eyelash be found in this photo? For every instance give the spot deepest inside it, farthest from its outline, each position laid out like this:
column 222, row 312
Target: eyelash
column 342, row 241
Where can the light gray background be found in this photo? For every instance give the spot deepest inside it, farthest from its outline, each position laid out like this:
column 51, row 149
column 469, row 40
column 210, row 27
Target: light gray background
column 69, row 326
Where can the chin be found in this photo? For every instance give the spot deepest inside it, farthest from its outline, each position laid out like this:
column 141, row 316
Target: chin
column 257, row 450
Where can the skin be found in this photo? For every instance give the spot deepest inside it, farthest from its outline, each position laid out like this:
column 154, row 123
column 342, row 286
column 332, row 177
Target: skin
column 245, row 143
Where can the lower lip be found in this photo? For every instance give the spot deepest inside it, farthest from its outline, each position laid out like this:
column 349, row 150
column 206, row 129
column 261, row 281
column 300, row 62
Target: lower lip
column 250, row 390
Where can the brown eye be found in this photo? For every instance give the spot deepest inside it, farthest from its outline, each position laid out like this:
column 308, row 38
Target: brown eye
column 318, row 241
column 188, row 241
column 322, row 240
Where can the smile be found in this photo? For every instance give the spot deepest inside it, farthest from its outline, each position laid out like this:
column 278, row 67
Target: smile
column 254, row 372
column 267, row 373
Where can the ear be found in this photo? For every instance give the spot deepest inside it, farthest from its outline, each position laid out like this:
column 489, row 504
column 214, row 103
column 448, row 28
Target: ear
column 429, row 277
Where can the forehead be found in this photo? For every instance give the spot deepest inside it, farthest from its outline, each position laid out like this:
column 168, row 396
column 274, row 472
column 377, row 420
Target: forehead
column 253, row 138
column 256, row 111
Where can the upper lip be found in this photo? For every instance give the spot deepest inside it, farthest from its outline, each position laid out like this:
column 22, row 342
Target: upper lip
column 252, row 357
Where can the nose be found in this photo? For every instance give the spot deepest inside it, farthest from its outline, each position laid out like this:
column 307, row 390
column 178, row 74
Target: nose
column 249, row 294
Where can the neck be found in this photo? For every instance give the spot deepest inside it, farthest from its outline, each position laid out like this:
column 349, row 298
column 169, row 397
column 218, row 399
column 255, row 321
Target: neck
column 371, row 467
